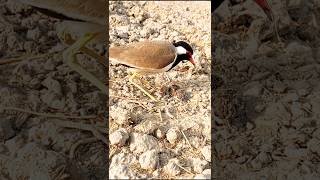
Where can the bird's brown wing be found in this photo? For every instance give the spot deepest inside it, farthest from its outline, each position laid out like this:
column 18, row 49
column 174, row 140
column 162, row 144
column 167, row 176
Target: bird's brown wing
column 145, row 55
column 91, row 11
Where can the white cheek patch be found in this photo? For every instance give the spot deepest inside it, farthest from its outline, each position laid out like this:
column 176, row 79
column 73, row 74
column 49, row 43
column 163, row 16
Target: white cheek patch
column 181, row 50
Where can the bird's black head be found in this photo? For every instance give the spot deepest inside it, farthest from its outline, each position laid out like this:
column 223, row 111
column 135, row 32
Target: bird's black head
column 185, row 52
column 184, row 45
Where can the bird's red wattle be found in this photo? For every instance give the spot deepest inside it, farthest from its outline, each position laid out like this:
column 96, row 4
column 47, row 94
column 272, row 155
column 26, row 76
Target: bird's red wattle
column 263, row 4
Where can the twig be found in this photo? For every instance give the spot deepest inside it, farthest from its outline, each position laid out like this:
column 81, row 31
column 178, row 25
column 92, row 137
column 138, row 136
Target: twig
column 28, row 56
column 183, row 168
column 50, row 115
column 133, row 101
column 168, row 113
column 86, row 127
column 161, row 120
column 81, row 126
column 186, row 138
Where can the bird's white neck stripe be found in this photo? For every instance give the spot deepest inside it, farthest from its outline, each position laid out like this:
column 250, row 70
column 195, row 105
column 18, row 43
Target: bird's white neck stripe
column 181, row 50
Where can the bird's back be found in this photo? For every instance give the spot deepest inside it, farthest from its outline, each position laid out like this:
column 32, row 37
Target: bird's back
column 86, row 10
column 146, row 54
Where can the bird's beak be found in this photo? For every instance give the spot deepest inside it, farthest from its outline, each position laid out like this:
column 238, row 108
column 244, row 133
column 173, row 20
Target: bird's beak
column 192, row 61
column 266, row 8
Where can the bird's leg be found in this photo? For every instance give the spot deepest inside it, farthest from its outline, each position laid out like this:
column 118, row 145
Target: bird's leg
column 67, row 39
column 143, row 90
column 69, row 57
column 144, row 82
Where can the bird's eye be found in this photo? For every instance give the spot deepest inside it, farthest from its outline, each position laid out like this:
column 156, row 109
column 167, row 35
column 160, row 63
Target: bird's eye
column 184, row 61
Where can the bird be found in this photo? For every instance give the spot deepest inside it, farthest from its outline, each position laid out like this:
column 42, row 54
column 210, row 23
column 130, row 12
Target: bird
column 81, row 18
column 151, row 57
column 262, row 3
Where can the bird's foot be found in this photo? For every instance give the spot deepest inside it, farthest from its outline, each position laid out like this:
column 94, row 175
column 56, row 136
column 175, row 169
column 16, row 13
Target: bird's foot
column 66, row 38
column 141, row 88
column 69, row 57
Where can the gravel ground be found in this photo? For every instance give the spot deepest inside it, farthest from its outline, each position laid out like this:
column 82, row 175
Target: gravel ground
column 266, row 98
column 170, row 141
column 265, row 92
column 39, row 146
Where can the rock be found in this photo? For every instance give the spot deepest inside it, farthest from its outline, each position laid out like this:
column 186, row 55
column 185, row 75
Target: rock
column 52, row 100
column 206, row 174
column 171, row 168
column 290, row 97
column 146, row 127
column 314, row 145
column 295, row 153
column 141, row 143
column 160, row 133
column 44, row 162
column 173, row 135
column 206, row 152
column 279, row 87
column 261, row 160
column 295, row 48
column 201, row 176
column 254, row 89
column 260, row 76
column 120, row 115
column 199, row 165
column 6, row 129
column 121, row 171
column 149, row 159
column 52, row 85
column 49, row 65
column 119, row 137
column 12, row 40
column 34, row 34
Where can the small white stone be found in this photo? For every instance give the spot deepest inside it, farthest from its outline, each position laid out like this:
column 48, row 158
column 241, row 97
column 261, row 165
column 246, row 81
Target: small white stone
column 149, row 159
column 206, row 152
column 171, row 168
column 52, row 85
column 160, row 133
column 34, row 34
column 199, row 165
column 146, row 127
column 173, row 135
column 200, row 176
column 141, row 143
column 119, row 137
column 120, row 115
column 207, row 172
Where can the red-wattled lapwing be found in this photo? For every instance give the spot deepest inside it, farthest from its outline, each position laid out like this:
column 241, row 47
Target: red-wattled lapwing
column 151, row 57
column 81, row 18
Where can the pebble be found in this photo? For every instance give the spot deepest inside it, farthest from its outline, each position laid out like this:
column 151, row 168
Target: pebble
column 206, row 152
column 33, row 34
column 119, row 137
column 206, row 174
column 171, row 168
column 149, row 159
column 120, row 115
column 254, row 90
column 173, row 135
column 314, row 145
column 52, row 85
column 141, row 143
column 160, row 133
column 146, row 127
column 199, row 165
